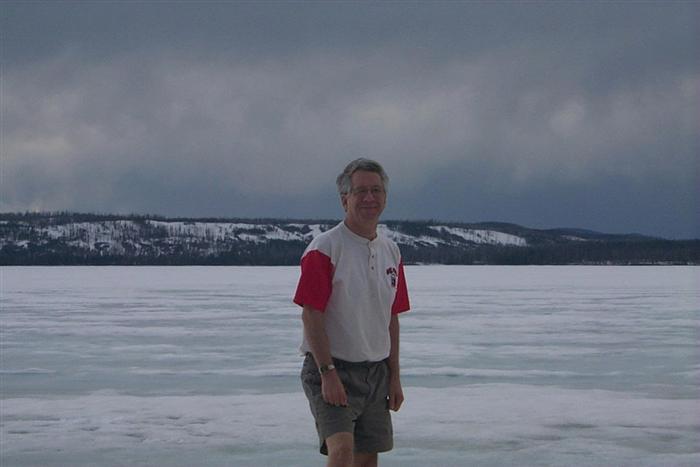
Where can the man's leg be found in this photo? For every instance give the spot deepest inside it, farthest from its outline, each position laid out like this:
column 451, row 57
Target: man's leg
column 340, row 447
column 365, row 459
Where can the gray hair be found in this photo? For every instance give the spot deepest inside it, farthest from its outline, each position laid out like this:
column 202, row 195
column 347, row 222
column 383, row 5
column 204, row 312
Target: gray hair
column 344, row 181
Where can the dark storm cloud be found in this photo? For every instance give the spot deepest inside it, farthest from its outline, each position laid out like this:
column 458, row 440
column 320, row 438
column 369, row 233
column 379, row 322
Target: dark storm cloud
column 546, row 114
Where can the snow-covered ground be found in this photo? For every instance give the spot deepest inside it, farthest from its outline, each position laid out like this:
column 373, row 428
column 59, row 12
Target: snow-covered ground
column 198, row 366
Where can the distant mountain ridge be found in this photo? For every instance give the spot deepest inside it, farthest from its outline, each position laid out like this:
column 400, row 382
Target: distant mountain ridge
column 93, row 239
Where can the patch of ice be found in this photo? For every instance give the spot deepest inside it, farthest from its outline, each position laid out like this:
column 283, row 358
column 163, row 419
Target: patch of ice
column 489, row 424
column 26, row 371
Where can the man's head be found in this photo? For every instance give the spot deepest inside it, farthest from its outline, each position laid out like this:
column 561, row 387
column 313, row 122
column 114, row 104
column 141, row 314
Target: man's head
column 362, row 187
column 344, row 180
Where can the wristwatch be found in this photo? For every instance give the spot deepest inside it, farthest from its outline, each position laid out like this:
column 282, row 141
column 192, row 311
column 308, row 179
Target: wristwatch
column 323, row 369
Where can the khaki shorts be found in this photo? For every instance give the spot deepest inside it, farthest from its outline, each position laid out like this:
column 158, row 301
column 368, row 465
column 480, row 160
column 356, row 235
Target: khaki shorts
column 367, row 414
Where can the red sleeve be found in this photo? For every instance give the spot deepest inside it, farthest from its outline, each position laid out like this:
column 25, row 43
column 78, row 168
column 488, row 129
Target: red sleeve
column 315, row 284
column 401, row 300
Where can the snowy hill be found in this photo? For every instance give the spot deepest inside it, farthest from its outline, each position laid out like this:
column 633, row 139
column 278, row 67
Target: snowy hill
column 108, row 239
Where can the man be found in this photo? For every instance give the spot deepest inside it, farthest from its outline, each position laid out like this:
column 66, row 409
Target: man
column 352, row 288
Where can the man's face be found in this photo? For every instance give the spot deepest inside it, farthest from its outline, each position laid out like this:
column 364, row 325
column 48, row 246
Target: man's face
column 366, row 200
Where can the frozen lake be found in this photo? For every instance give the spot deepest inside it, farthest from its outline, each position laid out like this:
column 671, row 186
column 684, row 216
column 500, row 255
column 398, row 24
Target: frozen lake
column 184, row 366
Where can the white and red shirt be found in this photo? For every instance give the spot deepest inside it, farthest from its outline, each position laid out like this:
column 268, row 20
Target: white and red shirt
column 358, row 283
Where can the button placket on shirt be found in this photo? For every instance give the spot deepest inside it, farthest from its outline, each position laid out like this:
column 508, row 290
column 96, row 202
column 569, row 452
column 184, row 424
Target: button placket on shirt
column 372, row 259
column 373, row 271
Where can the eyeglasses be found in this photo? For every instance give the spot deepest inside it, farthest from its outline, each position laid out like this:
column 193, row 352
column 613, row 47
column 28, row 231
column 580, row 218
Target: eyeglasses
column 361, row 192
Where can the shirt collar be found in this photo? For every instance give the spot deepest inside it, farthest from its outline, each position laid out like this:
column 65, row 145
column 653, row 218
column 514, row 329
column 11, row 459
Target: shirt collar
column 358, row 238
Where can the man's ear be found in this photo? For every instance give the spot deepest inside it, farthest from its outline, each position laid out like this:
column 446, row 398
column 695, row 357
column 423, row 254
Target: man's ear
column 344, row 202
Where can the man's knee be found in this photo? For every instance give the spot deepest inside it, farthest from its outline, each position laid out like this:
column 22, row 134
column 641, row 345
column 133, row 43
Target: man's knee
column 364, row 459
column 340, row 449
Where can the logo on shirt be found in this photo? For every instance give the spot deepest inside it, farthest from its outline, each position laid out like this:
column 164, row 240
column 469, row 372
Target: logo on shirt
column 391, row 272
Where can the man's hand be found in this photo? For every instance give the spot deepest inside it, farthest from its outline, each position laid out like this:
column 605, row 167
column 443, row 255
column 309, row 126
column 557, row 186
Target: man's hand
column 395, row 394
column 332, row 389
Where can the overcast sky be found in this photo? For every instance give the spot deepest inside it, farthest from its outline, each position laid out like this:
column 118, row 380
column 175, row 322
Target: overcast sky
column 551, row 114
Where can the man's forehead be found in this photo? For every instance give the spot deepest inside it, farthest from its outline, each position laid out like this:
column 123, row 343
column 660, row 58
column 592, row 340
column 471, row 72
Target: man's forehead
column 365, row 176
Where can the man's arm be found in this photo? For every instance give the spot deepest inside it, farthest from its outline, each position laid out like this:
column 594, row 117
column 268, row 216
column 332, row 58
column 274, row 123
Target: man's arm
column 332, row 388
column 395, row 390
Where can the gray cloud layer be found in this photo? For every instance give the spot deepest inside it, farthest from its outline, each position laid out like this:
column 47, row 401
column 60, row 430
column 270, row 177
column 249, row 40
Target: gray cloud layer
column 545, row 114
